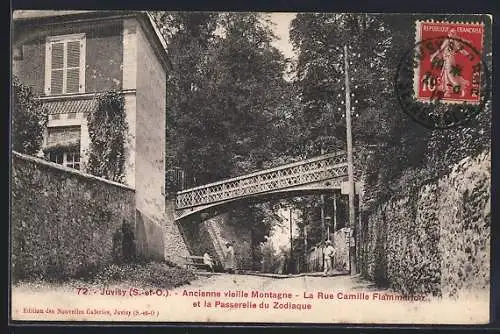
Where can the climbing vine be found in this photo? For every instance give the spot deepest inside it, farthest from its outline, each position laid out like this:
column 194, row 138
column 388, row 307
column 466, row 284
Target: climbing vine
column 107, row 128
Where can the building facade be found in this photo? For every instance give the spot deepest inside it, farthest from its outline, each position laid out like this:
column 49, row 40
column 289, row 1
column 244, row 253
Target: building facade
column 68, row 58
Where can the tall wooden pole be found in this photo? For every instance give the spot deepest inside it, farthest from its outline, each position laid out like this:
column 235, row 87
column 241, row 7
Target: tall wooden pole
column 322, row 217
column 291, row 243
column 322, row 231
column 334, row 216
column 322, row 220
column 305, row 249
column 328, row 231
column 350, row 167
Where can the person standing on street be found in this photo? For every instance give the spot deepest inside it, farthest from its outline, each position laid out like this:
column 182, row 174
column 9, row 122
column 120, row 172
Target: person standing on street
column 230, row 260
column 329, row 256
column 207, row 259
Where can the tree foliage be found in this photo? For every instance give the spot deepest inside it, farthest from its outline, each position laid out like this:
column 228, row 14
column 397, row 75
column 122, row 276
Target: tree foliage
column 320, row 40
column 394, row 155
column 228, row 102
column 108, row 131
column 231, row 112
column 411, row 155
column 225, row 92
column 28, row 119
column 386, row 140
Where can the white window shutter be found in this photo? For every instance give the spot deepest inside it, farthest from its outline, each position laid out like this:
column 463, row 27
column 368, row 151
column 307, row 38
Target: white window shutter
column 48, row 61
column 73, row 67
column 57, row 68
column 82, row 65
column 65, row 64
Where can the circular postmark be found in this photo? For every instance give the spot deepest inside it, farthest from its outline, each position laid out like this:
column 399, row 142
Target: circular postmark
column 442, row 82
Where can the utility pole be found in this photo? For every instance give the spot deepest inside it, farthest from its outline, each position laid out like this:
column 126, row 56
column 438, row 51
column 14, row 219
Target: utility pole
column 322, row 222
column 291, row 242
column 334, row 217
column 350, row 167
column 322, row 217
column 322, row 231
column 305, row 249
column 328, row 228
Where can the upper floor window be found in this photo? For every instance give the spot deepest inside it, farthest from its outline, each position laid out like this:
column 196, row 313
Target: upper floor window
column 65, row 64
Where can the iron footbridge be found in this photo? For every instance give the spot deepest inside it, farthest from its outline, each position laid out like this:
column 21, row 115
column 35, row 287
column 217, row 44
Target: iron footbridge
column 322, row 173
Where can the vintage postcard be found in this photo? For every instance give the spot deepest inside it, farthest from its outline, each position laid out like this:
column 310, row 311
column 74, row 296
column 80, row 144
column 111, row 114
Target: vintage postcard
column 247, row 167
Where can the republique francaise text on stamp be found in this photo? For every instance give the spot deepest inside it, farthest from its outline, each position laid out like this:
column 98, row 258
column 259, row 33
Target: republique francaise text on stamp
column 449, row 65
column 443, row 81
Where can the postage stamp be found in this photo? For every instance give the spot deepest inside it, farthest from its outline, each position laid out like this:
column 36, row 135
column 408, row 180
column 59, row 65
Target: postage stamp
column 449, row 62
column 443, row 80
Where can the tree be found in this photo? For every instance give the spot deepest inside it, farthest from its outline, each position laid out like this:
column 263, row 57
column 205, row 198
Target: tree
column 386, row 141
column 410, row 151
column 320, row 41
column 248, row 84
column 227, row 111
column 190, row 38
column 224, row 93
column 28, row 119
column 252, row 97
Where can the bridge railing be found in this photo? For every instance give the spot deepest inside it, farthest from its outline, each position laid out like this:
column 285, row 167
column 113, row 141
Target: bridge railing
column 316, row 169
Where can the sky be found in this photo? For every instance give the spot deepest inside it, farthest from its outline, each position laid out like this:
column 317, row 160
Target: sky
column 282, row 23
column 280, row 236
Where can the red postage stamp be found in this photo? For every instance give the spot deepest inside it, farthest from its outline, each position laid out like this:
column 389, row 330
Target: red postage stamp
column 448, row 57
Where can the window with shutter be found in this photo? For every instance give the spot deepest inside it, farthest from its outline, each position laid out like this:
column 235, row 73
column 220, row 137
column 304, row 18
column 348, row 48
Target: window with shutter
column 65, row 64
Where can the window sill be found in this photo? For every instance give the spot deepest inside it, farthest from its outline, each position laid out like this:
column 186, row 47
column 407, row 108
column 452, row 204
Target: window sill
column 70, row 96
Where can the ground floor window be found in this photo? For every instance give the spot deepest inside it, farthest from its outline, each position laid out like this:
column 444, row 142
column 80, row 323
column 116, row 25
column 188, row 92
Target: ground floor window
column 57, row 157
column 69, row 159
column 63, row 145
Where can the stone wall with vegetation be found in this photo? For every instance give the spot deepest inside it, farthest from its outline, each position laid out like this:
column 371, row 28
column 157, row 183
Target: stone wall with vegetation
column 66, row 224
column 211, row 234
column 434, row 240
column 341, row 249
column 224, row 228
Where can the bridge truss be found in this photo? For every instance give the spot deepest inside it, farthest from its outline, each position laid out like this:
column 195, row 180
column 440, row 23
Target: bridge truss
column 325, row 172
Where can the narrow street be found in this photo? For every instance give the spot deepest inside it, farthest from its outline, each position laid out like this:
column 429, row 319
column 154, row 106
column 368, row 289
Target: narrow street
column 242, row 298
column 292, row 283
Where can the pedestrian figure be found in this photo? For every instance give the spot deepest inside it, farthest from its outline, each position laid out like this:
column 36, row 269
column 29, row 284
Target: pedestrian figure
column 207, row 259
column 329, row 256
column 282, row 264
column 230, row 260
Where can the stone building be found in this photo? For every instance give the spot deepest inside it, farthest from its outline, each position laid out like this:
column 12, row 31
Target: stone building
column 67, row 58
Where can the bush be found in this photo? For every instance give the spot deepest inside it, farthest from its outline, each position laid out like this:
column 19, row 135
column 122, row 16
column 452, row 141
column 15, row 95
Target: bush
column 28, row 119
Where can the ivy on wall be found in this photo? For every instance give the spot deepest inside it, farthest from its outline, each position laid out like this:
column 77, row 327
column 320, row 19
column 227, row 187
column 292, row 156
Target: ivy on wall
column 108, row 129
